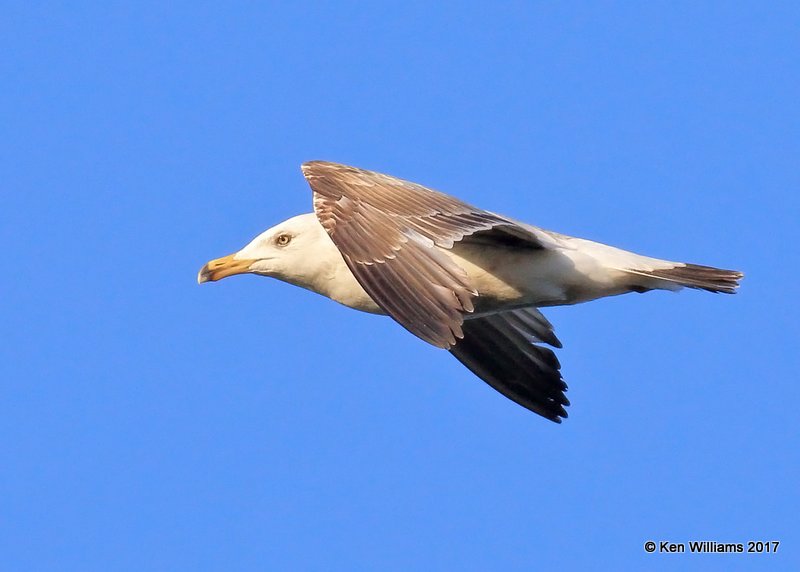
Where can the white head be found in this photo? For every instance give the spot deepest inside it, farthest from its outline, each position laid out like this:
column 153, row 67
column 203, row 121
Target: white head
column 298, row 251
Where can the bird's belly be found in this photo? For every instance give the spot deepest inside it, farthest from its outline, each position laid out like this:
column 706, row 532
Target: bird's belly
column 506, row 278
column 512, row 278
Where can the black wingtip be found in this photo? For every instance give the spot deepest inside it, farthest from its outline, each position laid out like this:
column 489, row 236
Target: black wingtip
column 557, row 414
column 498, row 349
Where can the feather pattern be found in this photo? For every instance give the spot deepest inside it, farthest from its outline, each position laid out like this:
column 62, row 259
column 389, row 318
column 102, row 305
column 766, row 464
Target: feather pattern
column 387, row 231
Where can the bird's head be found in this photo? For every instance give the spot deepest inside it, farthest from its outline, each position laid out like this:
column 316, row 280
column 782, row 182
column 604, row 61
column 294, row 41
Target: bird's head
column 286, row 251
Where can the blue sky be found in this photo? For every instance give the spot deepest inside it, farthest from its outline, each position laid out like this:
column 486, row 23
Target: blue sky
column 149, row 423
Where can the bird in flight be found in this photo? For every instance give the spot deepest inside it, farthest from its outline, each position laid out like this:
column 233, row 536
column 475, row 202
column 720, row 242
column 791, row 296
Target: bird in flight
column 459, row 277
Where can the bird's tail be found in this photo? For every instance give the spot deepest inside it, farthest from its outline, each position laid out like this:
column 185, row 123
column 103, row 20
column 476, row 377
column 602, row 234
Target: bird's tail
column 687, row 275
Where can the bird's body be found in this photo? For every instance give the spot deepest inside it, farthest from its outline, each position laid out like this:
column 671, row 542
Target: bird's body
column 542, row 277
column 458, row 277
column 578, row 271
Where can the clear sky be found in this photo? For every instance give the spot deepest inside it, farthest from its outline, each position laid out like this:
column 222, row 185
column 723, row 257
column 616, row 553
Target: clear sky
column 148, row 423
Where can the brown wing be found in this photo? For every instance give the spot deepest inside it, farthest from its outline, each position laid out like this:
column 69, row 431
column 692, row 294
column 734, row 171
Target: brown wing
column 387, row 230
column 500, row 349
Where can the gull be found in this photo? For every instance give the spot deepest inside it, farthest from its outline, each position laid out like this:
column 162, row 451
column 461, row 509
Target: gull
column 461, row 278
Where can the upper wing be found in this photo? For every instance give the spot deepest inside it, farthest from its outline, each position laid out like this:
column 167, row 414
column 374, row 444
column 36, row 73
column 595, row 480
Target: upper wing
column 500, row 349
column 387, row 231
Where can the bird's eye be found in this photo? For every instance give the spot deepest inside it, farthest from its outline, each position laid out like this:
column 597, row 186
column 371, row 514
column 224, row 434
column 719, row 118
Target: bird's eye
column 283, row 239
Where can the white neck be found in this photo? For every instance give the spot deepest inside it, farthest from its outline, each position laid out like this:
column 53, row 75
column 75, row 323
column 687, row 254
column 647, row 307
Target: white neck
column 331, row 277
